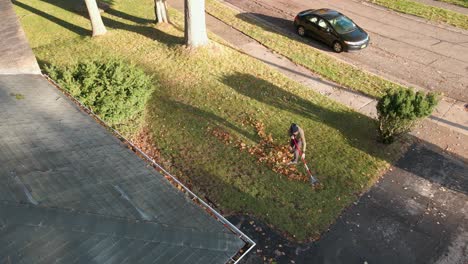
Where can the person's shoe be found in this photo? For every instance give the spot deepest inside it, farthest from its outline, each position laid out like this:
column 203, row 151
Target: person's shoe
column 292, row 162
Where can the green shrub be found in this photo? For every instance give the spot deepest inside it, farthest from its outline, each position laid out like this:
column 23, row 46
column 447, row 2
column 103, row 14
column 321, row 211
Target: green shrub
column 115, row 90
column 400, row 109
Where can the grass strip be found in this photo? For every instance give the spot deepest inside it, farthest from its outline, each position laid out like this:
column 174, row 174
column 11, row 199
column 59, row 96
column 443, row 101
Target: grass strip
column 428, row 12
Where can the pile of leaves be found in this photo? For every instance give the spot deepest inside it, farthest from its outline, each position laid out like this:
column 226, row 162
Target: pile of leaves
column 275, row 156
column 144, row 141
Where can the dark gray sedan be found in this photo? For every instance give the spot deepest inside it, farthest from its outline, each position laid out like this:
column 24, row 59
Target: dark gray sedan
column 332, row 28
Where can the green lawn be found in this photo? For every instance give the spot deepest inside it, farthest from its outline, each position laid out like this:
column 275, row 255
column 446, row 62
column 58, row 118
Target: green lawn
column 208, row 103
column 294, row 48
column 428, row 12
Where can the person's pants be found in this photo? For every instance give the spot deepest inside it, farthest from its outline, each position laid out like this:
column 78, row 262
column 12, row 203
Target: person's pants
column 296, row 149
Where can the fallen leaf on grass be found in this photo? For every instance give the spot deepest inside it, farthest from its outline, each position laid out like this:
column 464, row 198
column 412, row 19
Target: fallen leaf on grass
column 266, row 151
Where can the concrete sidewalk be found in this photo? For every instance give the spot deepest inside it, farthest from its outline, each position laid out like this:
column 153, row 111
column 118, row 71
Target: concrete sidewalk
column 449, row 119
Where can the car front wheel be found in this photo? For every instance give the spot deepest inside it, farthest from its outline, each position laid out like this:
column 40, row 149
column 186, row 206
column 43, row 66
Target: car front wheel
column 301, row 31
column 337, row 47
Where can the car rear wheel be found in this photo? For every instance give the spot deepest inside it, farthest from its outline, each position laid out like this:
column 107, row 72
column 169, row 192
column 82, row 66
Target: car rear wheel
column 337, row 47
column 301, row 31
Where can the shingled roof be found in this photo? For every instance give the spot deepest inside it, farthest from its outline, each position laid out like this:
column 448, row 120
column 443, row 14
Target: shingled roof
column 70, row 191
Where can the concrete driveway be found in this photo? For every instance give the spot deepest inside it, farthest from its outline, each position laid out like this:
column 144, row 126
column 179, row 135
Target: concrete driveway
column 403, row 48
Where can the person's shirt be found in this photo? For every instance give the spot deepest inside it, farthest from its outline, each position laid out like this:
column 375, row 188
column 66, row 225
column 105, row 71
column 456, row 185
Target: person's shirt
column 300, row 136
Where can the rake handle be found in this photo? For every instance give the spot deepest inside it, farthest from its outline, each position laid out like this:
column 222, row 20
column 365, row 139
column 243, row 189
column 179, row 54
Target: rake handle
column 312, row 178
column 300, row 153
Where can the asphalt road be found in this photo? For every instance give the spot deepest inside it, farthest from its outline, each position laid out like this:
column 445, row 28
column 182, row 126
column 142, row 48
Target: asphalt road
column 403, row 48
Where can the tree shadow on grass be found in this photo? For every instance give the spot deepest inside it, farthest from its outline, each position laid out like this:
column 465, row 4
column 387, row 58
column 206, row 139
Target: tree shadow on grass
column 79, row 7
column 74, row 28
column 147, row 31
column 358, row 129
column 128, row 17
column 282, row 27
column 199, row 116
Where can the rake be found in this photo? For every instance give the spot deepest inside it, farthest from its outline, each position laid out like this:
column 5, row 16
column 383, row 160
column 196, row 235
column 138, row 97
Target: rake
column 313, row 180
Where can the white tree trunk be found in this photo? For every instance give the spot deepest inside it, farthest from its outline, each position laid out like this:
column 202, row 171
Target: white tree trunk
column 160, row 10
column 195, row 26
column 95, row 17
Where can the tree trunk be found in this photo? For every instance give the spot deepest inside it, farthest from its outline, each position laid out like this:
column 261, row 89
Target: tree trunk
column 195, row 26
column 95, row 17
column 160, row 11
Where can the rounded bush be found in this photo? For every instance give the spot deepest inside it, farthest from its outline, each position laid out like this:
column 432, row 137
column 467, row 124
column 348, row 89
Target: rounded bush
column 115, row 90
column 400, row 109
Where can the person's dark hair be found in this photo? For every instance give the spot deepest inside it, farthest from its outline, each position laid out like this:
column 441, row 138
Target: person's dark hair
column 293, row 129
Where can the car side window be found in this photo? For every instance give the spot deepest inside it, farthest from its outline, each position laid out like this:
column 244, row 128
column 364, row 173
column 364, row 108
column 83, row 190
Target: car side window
column 322, row 24
column 313, row 19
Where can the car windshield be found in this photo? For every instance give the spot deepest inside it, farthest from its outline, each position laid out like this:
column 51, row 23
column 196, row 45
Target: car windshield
column 342, row 24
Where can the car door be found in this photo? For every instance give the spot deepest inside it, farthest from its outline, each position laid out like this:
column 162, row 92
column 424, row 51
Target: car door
column 324, row 30
column 311, row 26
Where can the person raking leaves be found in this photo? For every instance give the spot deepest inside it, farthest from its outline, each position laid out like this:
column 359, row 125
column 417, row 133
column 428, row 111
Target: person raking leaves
column 298, row 147
column 297, row 143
